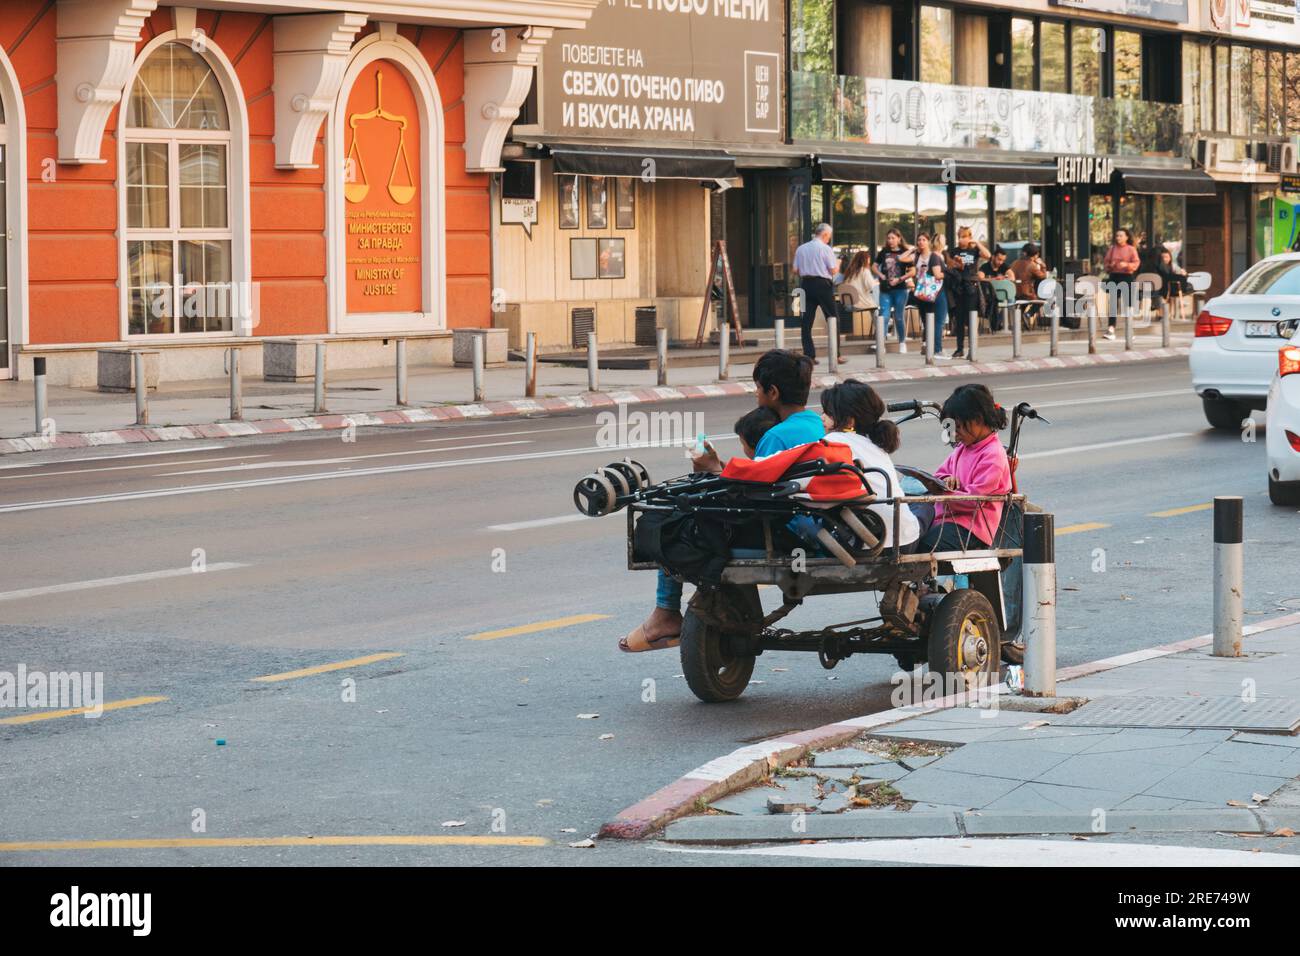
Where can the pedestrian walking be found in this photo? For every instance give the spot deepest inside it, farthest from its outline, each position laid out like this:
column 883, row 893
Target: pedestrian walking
column 965, row 260
column 894, row 273
column 929, row 285
column 817, row 265
column 1121, row 264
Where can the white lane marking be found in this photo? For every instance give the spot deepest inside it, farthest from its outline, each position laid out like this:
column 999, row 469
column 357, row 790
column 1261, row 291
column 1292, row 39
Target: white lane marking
column 537, row 523
column 1073, row 449
column 324, row 476
column 592, row 426
column 954, row 851
column 156, row 464
column 1103, row 399
column 137, row 454
column 337, row 461
column 113, row 582
column 1076, row 381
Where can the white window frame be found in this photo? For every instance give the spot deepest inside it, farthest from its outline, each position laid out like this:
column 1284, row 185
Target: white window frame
column 236, row 232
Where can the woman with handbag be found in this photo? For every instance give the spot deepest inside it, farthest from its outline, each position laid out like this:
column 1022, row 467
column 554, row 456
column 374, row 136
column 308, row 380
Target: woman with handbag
column 929, row 285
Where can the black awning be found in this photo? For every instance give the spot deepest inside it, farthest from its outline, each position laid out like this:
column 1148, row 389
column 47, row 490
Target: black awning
column 1155, row 181
column 585, row 160
column 862, row 169
column 1004, row 174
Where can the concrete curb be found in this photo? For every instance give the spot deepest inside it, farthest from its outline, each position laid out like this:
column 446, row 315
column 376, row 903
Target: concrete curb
column 748, row 765
column 546, row 406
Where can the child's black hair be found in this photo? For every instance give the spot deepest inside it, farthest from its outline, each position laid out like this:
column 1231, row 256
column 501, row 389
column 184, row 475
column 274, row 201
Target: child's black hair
column 974, row 403
column 789, row 372
column 856, row 404
column 753, row 425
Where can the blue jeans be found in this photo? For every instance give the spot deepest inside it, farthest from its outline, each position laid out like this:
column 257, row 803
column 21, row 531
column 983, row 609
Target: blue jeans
column 668, row 593
column 940, row 320
column 893, row 302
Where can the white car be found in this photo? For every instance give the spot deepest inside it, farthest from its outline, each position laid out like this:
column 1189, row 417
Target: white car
column 1283, row 437
column 1238, row 334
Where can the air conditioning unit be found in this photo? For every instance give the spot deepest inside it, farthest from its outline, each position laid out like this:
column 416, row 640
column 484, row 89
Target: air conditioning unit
column 1281, row 158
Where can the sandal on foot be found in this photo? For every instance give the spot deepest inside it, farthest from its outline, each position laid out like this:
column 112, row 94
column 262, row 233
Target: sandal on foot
column 636, row 642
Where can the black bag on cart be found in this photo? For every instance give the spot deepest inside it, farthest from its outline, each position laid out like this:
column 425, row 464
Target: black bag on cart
column 686, row 545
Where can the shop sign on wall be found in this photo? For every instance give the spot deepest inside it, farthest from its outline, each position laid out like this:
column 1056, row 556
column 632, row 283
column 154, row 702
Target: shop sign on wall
column 693, row 70
column 381, row 193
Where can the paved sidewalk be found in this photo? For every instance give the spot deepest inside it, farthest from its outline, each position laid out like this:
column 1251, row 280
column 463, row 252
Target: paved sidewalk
column 1171, row 739
column 180, row 411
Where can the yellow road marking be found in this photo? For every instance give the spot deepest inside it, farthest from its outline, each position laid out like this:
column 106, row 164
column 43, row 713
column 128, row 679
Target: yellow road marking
column 1086, row 526
column 51, row 714
column 534, row 628
column 1174, row 512
column 326, row 668
column 213, row 842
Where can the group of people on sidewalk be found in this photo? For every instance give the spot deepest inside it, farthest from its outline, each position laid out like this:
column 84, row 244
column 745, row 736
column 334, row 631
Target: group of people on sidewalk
column 853, row 414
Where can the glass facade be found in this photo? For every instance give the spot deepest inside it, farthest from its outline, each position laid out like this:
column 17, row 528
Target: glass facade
column 1086, row 46
column 1024, row 54
column 936, row 45
column 1053, row 75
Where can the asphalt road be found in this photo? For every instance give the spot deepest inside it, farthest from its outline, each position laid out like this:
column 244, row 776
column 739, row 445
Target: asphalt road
column 428, row 543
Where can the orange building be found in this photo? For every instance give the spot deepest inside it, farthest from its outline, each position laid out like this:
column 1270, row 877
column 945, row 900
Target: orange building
column 184, row 180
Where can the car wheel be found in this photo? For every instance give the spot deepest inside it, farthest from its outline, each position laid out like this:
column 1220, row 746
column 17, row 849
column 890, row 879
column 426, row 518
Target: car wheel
column 1224, row 413
column 1284, row 492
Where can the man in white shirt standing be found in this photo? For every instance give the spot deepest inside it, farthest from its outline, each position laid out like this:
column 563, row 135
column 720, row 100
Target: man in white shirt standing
column 816, row 263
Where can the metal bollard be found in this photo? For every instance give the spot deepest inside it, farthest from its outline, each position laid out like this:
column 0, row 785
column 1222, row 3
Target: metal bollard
column 1228, row 579
column 833, row 343
column 1053, row 333
column 593, row 363
column 724, row 353
column 1166, row 333
column 236, row 387
column 38, row 381
column 1013, row 316
column 141, row 389
column 778, row 326
column 530, row 365
column 928, row 346
column 401, row 372
column 1038, row 605
column 661, row 356
column 880, row 340
column 973, row 335
column 319, row 407
column 478, row 368
column 1090, row 311
column 1128, row 329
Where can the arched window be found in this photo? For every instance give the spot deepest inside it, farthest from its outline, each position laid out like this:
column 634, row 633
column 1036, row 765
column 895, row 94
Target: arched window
column 178, row 204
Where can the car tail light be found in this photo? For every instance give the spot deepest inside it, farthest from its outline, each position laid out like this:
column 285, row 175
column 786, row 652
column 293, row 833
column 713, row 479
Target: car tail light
column 1293, row 438
column 1288, row 360
column 1209, row 325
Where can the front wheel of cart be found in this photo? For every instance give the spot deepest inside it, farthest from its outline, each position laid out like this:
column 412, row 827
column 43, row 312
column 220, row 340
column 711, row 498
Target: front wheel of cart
column 713, row 672
column 965, row 638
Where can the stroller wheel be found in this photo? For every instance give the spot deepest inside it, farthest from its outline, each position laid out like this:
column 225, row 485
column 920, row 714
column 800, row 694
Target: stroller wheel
column 642, row 473
column 628, row 473
column 594, row 496
column 616, row 478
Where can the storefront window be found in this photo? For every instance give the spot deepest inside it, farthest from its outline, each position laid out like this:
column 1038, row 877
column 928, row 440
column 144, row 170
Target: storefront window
column 936, row 45
column 1128, row 65
column 812, row 36
column 1259, row 92
column 1100, row 228
column 895, row 209
column 1014, row 219
column 851, row 216
column 1134, row 212
column 1052, row 74
column 1168, row 224
column 1022, row 54
column 973, row 210
column 1242, row 102
column 932, row 209
column 177, row 197
column 1291, row 82
column 1086, row 44
column 1276, row 79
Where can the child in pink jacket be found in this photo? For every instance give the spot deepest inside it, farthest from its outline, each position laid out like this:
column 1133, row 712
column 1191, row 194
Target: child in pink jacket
column 978, row 466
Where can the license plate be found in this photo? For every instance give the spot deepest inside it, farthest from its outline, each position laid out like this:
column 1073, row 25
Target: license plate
column 1261, row 330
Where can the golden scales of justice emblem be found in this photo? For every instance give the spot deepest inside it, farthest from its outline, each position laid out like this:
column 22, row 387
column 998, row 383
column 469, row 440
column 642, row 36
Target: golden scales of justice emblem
column 356, row 191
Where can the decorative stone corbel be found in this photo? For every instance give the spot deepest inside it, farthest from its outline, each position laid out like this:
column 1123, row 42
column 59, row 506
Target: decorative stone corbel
column 499, row 68
column 96, row 42
column 311, row 57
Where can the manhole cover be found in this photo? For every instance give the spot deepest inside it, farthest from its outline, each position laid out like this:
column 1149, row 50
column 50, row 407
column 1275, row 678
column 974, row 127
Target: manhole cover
column 1272, row 714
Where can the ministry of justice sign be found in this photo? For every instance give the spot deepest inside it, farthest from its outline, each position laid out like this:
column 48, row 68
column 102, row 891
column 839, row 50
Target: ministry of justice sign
column 688, row 70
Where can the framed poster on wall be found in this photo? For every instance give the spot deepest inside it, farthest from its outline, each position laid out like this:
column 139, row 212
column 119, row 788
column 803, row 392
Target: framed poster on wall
column 597, row 203
column 610, row 259
column 569, row 213
column 582, row 259
column 625, row 203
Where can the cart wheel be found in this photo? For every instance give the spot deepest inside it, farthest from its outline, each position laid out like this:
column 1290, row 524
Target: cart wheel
column 712, row 674
column 594, row 496
column 622, row 485
column 643, row 473
column 964, row 636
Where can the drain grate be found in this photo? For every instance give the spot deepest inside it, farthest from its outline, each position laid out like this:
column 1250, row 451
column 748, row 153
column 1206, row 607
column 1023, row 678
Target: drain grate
column 1270, row 714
